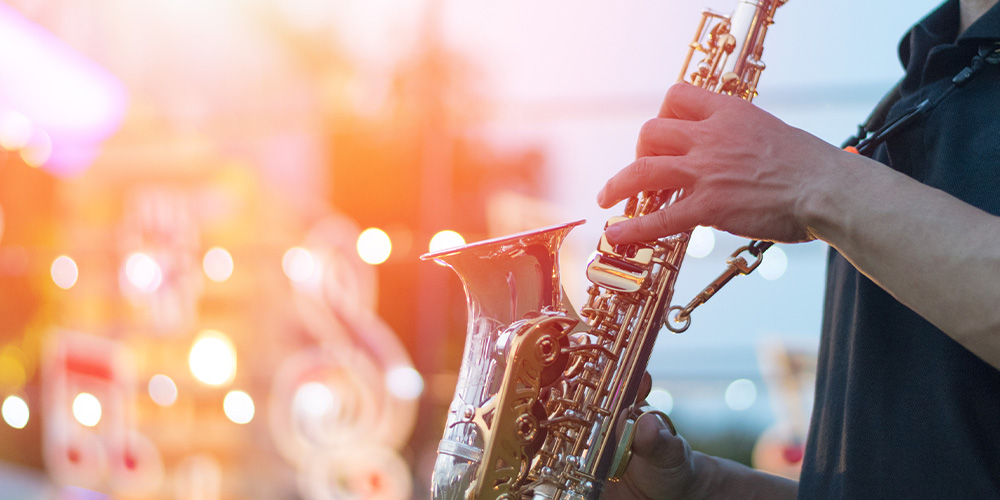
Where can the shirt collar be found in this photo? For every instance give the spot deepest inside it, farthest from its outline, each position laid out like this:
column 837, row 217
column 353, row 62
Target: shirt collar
column 987, row 27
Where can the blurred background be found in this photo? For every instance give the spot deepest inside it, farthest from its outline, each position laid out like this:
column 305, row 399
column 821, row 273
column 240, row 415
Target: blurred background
column 211, row 216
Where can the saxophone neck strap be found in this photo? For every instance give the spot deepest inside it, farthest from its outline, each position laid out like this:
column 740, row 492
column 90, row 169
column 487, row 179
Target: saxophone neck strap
column 876, row 130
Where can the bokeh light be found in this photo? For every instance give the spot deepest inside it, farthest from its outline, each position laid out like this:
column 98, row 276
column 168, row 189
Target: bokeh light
column 741, row 394
column 404, row 382
column 314, row 400
column 213, row 358
column 702, row 242
column 64, row 272
column 38, row 150
column 238, row 406
column 299, row 264
column 87, row 409
column 15, row 412
column 162, row 390
column 218, row 264
column 374, row 246
column 143, row 272
column 15, row 130
column 661, row 399
column 774, row 265
column 444, row 240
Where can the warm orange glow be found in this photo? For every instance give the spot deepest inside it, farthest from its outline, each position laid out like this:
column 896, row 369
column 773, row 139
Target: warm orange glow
column 64, row 272
column 444, row 240
column 374, row 246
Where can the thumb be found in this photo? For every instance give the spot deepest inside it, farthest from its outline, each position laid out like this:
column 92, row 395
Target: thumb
column 658, row 444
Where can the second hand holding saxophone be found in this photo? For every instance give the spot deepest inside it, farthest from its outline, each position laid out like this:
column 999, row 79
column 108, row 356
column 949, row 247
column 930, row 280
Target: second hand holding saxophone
column 541, row 390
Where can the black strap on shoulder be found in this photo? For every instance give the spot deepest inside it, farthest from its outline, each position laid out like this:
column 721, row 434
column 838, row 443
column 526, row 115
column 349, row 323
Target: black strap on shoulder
column 875, row 131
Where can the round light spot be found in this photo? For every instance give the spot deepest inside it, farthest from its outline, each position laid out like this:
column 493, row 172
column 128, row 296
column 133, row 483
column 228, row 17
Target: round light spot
column 143, row 272
column 238, row 406
column 87, row 409
column 299, row 264
column 15, row 130
column 162, row 390
column 64, row 272
column 741, row 394
column 38, row 150
column 444, row 240
column 702, row 242
column 15, row 412
column 404, row 382
column 213, row 358
column 374, row 246
column 218, row 264
column 661, row 399
column 774, row 265
column 314, row 400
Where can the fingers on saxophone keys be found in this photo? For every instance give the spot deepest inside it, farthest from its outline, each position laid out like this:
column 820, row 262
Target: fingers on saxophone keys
column 648, row 173
column 687, row 102
column 662, row 136
column 670, row 220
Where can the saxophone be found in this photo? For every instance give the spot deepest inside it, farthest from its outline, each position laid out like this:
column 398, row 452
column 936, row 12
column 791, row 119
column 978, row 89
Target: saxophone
column 541, row 390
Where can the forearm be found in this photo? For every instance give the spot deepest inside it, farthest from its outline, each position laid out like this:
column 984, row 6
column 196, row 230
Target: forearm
column 933, row 252
column 724, row 479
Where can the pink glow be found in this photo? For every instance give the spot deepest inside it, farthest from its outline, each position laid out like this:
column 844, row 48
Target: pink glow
column 74, row 100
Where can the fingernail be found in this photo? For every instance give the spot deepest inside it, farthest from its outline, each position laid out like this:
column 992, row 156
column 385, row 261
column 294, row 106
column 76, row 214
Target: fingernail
column 600, row 197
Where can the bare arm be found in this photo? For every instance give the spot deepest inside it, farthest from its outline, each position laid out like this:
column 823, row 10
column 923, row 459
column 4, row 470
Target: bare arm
column 748, row 173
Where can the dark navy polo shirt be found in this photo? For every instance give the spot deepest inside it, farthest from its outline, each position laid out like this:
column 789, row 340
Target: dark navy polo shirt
column 902, row 411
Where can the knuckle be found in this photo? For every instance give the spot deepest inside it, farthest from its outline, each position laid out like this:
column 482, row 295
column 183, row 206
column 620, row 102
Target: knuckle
column 642, row 170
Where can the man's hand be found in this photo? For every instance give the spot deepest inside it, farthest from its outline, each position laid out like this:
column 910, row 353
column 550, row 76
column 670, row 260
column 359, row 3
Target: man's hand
column 662, row 465
column 742, row 170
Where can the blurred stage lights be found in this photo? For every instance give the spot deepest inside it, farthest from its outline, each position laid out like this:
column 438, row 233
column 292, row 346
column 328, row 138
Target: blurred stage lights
column 143, row 272
column 162, row 390
column 315, row 400
column 374, row 246
column 299, row 265
column 218, row 264
column 15, row 412
column 404, row 382
column 64, row 272
column 774, row 265
column 213, row 358
column 444, row 240
column 661, row 399
column 741, row 394
column 702, row 242
column 87, row 409
column 239, row 407
column 38, row 150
